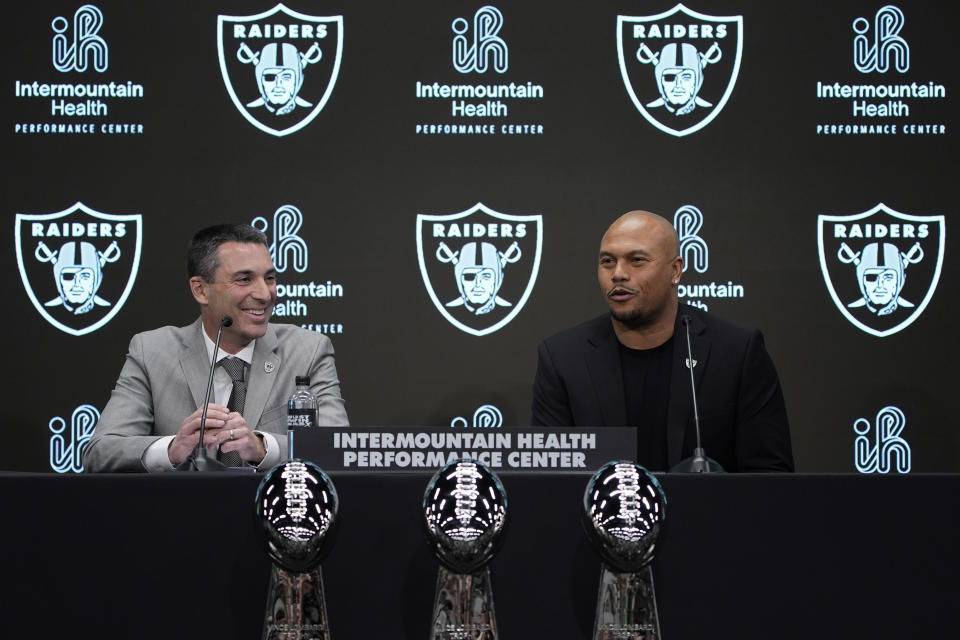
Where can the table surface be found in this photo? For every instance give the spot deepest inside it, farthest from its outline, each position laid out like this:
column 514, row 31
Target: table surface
column 740, row 556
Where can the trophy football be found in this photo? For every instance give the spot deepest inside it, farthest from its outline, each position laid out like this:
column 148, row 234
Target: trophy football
column 297, row 506
column 623, row 510
column 464, row 509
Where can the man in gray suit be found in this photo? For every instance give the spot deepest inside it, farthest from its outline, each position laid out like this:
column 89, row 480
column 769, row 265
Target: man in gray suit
column 152, row 420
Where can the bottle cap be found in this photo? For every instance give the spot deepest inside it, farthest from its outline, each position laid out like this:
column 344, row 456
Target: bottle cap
column 303, row 380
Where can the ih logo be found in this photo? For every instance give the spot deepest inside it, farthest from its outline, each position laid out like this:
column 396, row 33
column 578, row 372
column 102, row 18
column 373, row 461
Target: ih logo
column 687, row 220
column 78, row 265
column 887, row 46
column 866, row 259
column 283, row 63
column 486, row 416
column 479, row 266
column 475, row 51
column 74, row 51
column 67, row 456
column 883, row 450
column 287, row 248
column 679, row 66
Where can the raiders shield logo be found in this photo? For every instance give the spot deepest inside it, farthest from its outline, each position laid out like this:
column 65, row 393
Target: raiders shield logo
column 280, row 66
column 479, row 266
column 881, row 266
column 679, row 66
column 78, row 265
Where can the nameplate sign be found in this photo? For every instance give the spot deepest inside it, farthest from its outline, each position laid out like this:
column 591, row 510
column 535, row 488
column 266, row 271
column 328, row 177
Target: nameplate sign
column 426, row 449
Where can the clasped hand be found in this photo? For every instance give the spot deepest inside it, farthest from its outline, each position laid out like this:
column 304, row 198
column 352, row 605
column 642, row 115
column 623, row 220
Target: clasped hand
column 225, row 428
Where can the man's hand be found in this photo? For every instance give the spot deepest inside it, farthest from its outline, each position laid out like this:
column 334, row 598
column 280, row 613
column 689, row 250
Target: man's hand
column 236, row 435
column 188, row 435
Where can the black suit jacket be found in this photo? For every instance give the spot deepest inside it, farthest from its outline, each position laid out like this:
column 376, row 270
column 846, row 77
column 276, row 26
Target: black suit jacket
column 743, row 420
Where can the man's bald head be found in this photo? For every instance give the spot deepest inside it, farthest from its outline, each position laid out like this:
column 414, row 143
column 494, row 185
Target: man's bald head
column 638, row 270
column 655, row 226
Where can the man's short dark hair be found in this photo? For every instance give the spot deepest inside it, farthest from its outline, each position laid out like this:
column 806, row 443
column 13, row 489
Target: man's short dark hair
column 202, row 255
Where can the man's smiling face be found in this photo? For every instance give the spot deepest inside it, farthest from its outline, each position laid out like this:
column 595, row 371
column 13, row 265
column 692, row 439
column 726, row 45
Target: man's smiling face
column 244, row 287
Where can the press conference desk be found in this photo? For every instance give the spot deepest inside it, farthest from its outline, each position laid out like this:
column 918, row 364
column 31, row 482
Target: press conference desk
column 741, row 556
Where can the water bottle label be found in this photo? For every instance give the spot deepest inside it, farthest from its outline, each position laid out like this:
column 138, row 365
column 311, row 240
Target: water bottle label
column 301, row 418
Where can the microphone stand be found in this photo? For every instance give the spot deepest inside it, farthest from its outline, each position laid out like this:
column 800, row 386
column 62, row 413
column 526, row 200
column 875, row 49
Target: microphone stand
column 699, row 462
column 200, row 459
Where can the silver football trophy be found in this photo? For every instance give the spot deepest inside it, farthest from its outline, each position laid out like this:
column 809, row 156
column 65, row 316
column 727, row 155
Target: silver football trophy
column 464, row 510
column 623, row 510
column 297, row 506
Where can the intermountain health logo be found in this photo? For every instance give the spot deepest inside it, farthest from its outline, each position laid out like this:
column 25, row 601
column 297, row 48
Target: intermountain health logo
column 881, row 266
column 479, row 266
column 484, row 97
column 476, row 48
column 67, row 446
column 879, row 95
column 486, row 416
column 74, row 51
column 879, row 447
column 688, row 221
column 83, row 97
column 280, row 66
column 680, row 66
column 78, row 265
column 291, row 255
column 879, row 48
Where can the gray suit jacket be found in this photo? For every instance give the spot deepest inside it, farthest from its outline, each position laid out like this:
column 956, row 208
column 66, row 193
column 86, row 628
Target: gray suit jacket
column 164, row 380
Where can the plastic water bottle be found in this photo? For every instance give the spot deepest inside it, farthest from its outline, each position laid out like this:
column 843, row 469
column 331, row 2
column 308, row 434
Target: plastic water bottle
column 302, row 406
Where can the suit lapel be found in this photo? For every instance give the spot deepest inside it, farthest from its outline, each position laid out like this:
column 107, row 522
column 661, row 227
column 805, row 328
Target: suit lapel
column 680, row 411
column 263, row 375
column 195, row 362
column 602, row 351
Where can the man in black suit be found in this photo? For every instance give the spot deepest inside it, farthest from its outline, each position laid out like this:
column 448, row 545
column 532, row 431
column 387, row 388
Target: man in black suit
column 629, row 368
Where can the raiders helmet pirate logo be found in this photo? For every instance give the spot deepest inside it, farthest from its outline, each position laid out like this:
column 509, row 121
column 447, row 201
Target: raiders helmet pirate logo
column 679, row 66
column 78, row 265
column 881, row 267
column 280, row 66
column 479, row 266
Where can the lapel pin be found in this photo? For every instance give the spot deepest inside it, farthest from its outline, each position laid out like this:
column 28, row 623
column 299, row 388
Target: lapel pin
column 269, row 366
column 690, row 366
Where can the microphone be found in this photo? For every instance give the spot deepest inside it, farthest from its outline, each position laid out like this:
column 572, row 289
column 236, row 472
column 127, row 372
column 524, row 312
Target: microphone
column 699, row 463
column 200, row 460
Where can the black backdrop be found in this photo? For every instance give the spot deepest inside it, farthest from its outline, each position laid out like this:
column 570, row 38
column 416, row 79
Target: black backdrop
column 360, row 174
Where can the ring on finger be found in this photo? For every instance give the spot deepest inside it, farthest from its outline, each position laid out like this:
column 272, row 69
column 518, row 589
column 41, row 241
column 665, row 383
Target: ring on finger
column 232, row 437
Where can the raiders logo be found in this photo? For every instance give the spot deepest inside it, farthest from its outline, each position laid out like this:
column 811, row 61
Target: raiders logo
column 679, row 66
column 280, row 66
column 881, row 266
column 78, row 265
column 479, row 266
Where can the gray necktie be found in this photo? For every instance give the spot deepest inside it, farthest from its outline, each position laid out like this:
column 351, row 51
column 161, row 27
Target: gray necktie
column 237, row 369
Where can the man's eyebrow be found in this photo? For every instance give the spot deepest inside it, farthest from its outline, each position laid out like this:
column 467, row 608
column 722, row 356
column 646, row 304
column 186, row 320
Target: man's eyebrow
column 251, row 272
column 631, row 253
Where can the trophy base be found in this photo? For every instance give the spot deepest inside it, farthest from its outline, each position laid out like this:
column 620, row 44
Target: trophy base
column 296, row 609
column 463, row 607
column 626, row 607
